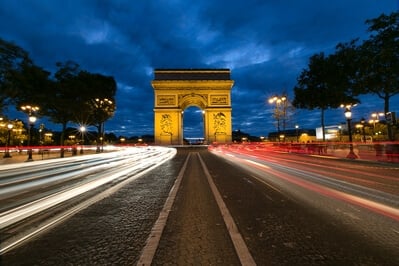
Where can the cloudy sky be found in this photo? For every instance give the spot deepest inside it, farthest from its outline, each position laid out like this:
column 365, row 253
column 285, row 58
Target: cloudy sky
column 265, row 44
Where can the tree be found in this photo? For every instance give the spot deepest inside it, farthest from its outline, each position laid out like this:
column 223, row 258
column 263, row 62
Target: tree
column 26, row 86
column 379, row 68
column 29, row 85
column 12, row 57
column 320, row 86
column 101, row 107
column 63, row 97
column 345, row 64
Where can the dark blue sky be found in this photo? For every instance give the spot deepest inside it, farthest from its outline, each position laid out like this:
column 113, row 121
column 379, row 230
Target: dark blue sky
column 265, row 43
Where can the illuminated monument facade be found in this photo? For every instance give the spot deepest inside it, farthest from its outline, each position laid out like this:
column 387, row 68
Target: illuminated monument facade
column 177, row 89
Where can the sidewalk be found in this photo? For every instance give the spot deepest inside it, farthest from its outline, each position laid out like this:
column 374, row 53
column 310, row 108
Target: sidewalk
column 22, row 157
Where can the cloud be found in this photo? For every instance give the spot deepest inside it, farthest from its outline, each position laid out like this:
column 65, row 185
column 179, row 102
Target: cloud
column 266, row 44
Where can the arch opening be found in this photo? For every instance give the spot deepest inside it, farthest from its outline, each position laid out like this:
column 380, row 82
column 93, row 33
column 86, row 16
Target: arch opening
column 193, row 125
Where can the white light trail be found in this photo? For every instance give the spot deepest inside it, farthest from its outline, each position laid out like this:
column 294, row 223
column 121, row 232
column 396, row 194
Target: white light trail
column 125, row 169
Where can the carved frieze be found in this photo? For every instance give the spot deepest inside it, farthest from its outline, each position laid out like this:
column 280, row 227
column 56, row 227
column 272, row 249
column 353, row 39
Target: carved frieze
column 221, row 99
column 166, row 100
column 193, row 95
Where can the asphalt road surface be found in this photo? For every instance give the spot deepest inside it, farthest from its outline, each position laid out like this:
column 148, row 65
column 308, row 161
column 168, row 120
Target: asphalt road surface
column 281, row 220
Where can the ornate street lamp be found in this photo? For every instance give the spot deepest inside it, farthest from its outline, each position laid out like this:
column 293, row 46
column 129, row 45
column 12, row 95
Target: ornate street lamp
column 7, row 153
column 375, row 118
column 348, row 115
column 280, row 111
column 30, row 110
column 104, row 107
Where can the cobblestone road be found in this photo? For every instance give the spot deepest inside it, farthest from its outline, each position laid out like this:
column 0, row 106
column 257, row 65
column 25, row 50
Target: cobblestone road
column 195, row 233
column 110, row 232
column 277, row 229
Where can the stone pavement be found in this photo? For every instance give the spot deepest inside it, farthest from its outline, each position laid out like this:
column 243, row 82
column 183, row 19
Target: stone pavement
column 195, row 233
column 277, row 229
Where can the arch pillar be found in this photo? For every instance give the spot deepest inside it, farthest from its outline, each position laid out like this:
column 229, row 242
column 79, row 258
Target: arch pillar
column 175, row 90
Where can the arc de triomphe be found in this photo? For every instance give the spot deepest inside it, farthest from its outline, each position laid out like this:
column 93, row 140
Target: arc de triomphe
column 177, row 89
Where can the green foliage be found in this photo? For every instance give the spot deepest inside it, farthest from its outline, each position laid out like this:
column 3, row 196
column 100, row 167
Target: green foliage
column 12, row 58
column 99, row 98
column 353, row 70
column 325, row 84
column 63, row 94
column 328, row 82
column 29, row 85
column 73, row 95
column 379, row 65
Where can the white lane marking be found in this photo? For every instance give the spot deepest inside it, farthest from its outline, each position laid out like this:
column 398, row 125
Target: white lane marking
column 19, row 213
column 153, row 239
column 241, row 248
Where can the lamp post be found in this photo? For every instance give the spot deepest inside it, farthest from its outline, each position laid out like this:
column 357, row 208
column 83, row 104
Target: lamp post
column 375, row 118
column 82, row 130
column 32, row 120
column 297, row 135
column 340, row 132
column 7, row 153
column 30, row 110
column 104, row 107
column 348, row 115
column 280, row 111
column 363, row 123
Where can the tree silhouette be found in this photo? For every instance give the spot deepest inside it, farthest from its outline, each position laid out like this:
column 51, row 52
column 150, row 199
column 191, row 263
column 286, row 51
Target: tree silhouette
column 379, row 65
column 320, row 86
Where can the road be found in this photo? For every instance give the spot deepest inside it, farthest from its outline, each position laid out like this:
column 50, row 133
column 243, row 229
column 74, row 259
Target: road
column 284, row 209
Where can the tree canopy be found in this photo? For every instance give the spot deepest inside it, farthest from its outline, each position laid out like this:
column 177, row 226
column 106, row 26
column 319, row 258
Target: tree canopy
column 322, row 85
column 70, row 95
column 353, row 70
column 12, row 57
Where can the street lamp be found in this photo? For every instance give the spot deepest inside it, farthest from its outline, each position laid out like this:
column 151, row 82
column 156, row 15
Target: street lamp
column 103, row 109
column 30, row 110
column 7, row 153
column 363, row 123
column 297, row 135
column 280, row 110
column 32, row 120
column 375, row 118
column 348, row 115
column 82, row 130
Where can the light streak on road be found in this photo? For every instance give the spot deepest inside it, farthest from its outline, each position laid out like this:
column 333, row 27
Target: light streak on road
column 322, row 180
column 109, row 167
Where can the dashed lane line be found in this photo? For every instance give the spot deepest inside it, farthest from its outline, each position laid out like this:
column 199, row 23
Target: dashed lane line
column 239, row 244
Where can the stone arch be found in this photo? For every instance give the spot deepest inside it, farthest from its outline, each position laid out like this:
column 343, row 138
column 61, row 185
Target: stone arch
column 177, row 89
column 192, row 99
